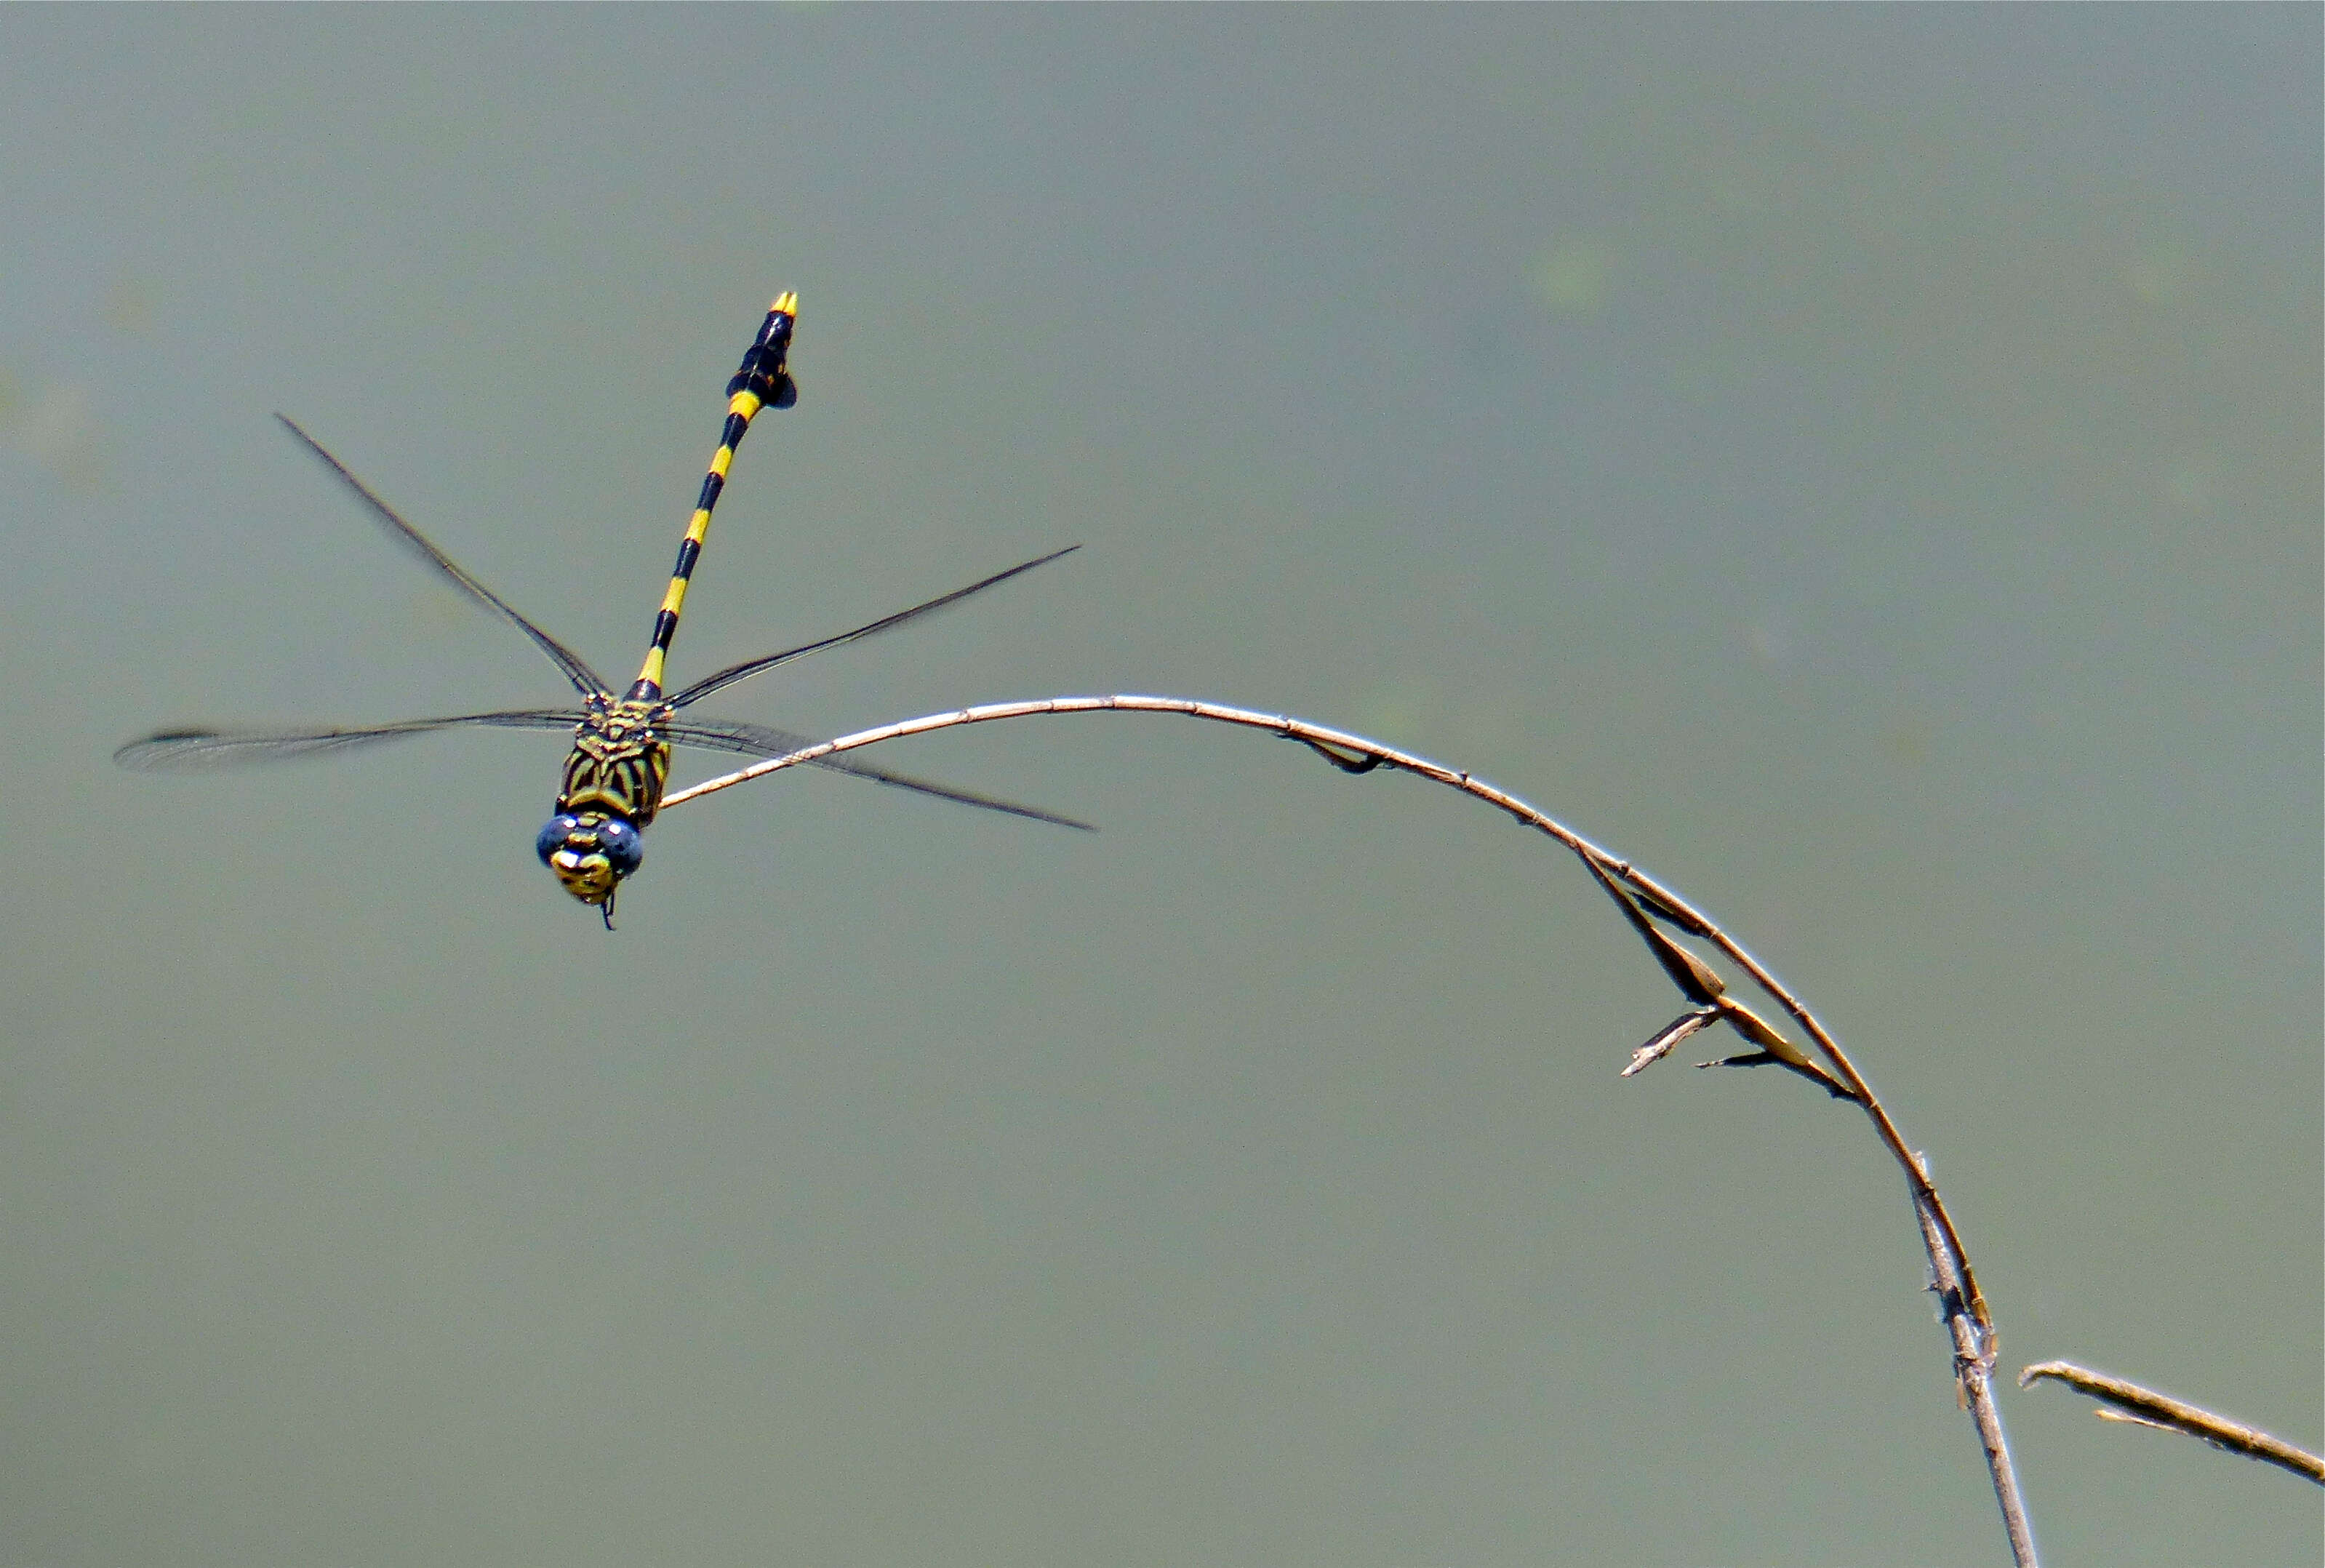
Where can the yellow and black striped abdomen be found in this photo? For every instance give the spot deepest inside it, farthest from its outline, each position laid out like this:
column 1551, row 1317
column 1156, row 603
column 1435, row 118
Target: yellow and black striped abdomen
column 763, row 382
column 619, row 764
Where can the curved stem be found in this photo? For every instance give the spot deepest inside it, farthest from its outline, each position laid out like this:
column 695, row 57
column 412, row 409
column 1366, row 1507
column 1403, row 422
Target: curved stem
column 1961, row 1305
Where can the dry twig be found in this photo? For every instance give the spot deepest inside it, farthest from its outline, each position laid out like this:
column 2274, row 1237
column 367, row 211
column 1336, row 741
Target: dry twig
column 1644, row 903
column 2137, row 1406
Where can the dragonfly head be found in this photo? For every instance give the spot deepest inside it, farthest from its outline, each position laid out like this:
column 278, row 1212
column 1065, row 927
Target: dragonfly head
column 590, row 852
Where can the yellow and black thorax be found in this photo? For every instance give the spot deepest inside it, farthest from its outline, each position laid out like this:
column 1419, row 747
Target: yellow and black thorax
column 620, row 760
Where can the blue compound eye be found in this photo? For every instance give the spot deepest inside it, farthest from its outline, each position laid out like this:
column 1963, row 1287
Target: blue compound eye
column 623, row 845
column 553, row 834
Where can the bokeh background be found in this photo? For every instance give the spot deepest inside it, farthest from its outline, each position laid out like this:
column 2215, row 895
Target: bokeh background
column 1862, row 463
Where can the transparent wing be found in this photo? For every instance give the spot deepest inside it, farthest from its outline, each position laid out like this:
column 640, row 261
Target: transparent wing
column 585, row 680
column 734, row 672
column 757, row 740
column 186, row 750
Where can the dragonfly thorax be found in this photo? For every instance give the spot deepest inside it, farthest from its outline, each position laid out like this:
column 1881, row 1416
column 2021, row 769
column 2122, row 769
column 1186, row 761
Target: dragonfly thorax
column 620, row 760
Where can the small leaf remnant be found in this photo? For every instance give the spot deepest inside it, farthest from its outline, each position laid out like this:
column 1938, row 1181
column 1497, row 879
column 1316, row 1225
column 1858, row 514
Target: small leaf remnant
column 1772, row 1047
column 1702, row 985
column 1363, row 762
column 1677, row 1029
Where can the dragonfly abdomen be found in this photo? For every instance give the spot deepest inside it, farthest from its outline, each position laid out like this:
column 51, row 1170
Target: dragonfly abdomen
column 761, row 382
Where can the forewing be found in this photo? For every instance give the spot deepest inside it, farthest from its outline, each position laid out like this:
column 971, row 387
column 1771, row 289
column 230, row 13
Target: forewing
column 186, row 750
column 585, row 680
column 734, row 672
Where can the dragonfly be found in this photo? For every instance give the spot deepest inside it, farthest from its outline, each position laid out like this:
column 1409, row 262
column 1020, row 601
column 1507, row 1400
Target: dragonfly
column 614, row 776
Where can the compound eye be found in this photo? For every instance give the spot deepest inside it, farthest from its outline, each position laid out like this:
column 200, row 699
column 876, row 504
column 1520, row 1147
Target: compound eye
column 623, row 845
column 554, row 834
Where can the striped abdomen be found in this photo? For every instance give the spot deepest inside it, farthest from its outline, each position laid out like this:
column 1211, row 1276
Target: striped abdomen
column 761, row 382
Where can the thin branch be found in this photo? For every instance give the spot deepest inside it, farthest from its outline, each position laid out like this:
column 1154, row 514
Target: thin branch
column 2128, row 1402
column 1962, row 1307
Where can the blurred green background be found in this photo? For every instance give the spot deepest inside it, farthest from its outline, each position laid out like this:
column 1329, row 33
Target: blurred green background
column 1863, row 463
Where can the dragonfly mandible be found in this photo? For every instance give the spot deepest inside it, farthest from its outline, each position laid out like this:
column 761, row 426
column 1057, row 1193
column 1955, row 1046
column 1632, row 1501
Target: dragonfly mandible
column 620, row 762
